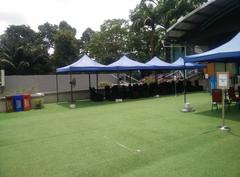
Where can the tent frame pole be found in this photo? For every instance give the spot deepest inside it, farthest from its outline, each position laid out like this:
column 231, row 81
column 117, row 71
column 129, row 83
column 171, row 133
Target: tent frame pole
column 97, row 81
column 225, row 91
column 184, row 85
column 118, row 82
column 184, row 64
column 187, row 107
column 57, row 87
column 156, row 80
column 130, row 74
column 89, row 80
column 71, row 87
column 175, row 83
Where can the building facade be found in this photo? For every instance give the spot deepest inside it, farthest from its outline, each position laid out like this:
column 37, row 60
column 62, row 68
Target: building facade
column 205, row 28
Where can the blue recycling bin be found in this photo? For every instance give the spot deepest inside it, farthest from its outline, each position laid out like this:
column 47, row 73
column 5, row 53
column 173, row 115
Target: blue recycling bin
column 18, row 103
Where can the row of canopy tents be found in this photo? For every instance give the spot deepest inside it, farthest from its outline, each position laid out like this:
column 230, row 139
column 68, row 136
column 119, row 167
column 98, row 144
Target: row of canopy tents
column 228, row 52
column 86, row 64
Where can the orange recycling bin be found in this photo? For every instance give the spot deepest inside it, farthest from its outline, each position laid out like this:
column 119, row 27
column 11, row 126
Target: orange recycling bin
column 26, row 102
column 9, row 104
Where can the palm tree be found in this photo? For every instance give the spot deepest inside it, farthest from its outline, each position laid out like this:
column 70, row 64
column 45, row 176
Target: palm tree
column 146, row 19
column 5, row 60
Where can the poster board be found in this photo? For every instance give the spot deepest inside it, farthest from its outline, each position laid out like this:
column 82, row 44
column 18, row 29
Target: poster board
column 223, row 80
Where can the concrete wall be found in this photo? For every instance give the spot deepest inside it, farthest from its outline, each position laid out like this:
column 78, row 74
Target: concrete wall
column 47, row 85
column 52, row 98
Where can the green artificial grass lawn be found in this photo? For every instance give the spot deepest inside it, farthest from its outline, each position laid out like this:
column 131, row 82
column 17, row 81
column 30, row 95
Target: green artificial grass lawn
column 135, row 138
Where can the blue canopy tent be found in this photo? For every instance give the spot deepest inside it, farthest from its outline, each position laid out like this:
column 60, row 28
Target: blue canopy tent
column 126, row 64
column 158, row 64
column 226, row 53
column 84, row 64
column 180, row 63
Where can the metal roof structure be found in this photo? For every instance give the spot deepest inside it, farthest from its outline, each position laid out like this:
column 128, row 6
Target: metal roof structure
column 201, row 18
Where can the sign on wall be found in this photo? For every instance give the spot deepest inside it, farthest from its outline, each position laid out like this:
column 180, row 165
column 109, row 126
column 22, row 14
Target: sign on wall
column 223, row 80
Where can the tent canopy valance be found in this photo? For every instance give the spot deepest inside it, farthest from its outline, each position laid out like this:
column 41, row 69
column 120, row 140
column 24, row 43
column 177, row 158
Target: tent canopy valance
column 180, row 62
column 228, row 52
column 86, row 64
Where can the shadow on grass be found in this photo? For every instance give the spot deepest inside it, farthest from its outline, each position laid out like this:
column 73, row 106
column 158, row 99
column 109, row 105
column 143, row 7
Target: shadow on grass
column 85, row 103
column 215, row 130
column 233, row 114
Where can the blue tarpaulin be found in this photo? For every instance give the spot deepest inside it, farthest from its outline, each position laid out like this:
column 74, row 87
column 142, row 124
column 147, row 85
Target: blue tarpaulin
column 158, row 64
column 228, row 52
column 180, row 62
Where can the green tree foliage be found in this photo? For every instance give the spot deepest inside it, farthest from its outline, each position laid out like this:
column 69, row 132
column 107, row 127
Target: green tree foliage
column 23, row 52
column 111, row 42
column 170, row 10
column 66, row 45
column 5, row 60
column 146, row 31
column 47, row 32
column 150, row 19
column 85, row 39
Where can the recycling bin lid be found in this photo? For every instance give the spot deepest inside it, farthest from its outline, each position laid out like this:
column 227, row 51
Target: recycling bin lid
column 37, row 94
column 17, row 96
column 8, row 96
column 26, row 95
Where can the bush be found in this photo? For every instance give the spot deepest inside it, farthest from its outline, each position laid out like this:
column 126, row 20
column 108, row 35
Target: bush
column 39, row 104
column 103, row 84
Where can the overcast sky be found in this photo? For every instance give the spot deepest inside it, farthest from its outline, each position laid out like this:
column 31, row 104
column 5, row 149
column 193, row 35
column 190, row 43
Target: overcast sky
column 78, row 13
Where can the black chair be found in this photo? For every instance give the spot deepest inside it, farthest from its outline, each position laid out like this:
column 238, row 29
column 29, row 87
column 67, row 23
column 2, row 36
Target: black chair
column 136, row 93
column 232, row 96
column 107, row 91
column 94, row 96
